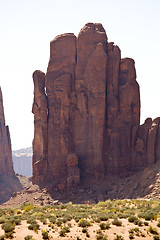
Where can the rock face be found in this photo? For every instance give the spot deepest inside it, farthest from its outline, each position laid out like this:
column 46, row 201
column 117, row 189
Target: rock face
column 87, row 113
column 8, row 181
column 5, row 145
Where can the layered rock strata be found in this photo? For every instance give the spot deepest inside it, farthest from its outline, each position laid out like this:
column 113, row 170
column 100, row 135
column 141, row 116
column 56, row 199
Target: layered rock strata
column 87, row 113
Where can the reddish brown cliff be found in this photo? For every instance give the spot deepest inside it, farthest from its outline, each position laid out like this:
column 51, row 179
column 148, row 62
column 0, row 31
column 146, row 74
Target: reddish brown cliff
column 87, row 113
column 8, row 181
column 5, row 144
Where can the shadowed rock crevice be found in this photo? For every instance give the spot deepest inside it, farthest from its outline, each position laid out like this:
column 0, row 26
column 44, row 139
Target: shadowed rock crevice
column 87, row 108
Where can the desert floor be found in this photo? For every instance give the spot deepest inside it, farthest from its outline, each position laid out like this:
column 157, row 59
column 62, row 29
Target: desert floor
column 114, row 220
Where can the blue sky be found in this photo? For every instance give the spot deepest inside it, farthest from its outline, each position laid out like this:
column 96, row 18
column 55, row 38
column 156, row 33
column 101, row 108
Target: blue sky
column 27, row 27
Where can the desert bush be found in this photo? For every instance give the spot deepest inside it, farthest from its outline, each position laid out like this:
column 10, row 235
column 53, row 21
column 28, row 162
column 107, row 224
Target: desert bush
column 148, row 215
column 87, row 235
column 34, row 226
column 104, row 226
column 118, row 237
column 9, row 235
column 84, row 230
column 101, row 236
column 145, row 223
column 2, row 237
column 42, row 219
column 103, row 217
column 28, row 237
column 156, row 237
column 15, row 220
column 117, row 222
column 158, row 224
column 153, row 230
column 45, row 235
column 31, row 220
column 52, row 219
column 63, row 231
column 132, row 218
column 59, row 222
column 138, row 222
column 122, row 215
column 2, row 220
column 84, row 223
column 8, row 227
column 131, row 236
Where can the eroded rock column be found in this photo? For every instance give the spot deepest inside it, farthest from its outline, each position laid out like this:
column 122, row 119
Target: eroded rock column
column 6, row 165
column 90, row 84
column 40, row 142
column 60, row 88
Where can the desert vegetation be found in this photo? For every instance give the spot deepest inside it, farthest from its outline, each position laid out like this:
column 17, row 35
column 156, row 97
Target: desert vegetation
column 114, row 220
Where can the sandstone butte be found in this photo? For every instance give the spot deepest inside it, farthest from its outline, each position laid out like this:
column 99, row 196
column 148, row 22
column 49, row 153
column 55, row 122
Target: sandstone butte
column 87, row 114
column 8, row 181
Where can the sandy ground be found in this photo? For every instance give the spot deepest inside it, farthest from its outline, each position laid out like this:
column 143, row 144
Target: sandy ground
column 22, row 230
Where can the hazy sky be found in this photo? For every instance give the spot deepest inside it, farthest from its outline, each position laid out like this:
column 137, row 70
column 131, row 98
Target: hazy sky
column 28, row 26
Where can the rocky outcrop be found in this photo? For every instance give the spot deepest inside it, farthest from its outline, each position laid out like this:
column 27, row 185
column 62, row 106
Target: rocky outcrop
column 5, row 145
column 8, row 181
column 87, row 114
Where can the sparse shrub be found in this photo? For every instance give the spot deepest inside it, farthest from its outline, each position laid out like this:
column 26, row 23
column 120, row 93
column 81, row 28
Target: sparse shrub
column 2, row 237
column 84, row 230
column 59, row 222
column 9, row 235
column 63, row 232
column 104, row 226
column 87, row 235
column 78, row 238
column 131, row 236
column 156, row 237
column 51, row 225
column 45, row 235
column 153, row 230
column 28, row 237
column 100, row 235
column 145, row 223
column 52, row 219
column 31, row 220
column 8, row 227
column 34, row 226
column 117, row 222
column 119, row 237
column 103, row 217
column 2, row 220
column 42, row 219
column 158, row 224
column 148, row 215
column 84, row 223
column 132, row 218
column 138, row 222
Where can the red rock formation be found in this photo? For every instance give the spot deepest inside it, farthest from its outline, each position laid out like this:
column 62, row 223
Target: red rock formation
column 9, row 183
column 90, row 82
column 123, row 112
column 40, row 130
column 87, row 113
column 5, row 145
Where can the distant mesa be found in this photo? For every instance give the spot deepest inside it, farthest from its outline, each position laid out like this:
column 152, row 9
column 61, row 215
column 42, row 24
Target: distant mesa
column 22, row 161
column 87, row 114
